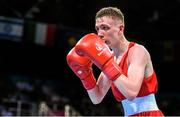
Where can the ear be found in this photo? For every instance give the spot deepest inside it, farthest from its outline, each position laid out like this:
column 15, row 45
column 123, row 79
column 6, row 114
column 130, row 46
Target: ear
column 121, row 28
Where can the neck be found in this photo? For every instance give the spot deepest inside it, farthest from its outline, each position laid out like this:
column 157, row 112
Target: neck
column 121, row 47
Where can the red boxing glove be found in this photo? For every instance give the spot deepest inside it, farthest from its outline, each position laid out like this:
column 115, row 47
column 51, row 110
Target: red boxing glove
column 93, row 47
column 82, row 67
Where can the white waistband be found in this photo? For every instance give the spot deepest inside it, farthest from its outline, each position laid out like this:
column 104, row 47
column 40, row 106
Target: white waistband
column 139, row 104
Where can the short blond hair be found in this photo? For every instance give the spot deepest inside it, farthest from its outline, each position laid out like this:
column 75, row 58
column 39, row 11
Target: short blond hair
column 113, row 12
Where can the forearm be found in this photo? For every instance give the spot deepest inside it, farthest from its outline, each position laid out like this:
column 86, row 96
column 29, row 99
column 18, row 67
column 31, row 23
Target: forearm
column 99, row 91
column 95, row 95
column 129, row 85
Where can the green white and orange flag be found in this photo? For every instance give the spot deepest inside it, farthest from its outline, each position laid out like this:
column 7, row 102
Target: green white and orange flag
column 40, row 33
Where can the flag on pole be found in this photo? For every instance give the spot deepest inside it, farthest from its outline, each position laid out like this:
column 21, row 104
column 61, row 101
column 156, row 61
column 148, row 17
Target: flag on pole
column 11, row 28
column 41, row 33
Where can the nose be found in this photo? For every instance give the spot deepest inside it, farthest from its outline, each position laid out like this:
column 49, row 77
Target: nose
column 100, row 35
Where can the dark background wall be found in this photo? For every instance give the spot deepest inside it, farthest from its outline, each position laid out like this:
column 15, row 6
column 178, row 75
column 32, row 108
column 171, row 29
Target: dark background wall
column 153, row 23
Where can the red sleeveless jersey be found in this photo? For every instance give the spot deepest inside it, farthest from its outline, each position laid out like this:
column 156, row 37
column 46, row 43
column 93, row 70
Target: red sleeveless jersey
column 149, row 85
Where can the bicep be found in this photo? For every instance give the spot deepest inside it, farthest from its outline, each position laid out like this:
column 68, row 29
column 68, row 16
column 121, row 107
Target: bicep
column 137, row 63
column 136, row 73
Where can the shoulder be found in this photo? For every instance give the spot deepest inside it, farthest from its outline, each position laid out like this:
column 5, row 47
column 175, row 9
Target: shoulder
column 138, row 52
column 138, row 48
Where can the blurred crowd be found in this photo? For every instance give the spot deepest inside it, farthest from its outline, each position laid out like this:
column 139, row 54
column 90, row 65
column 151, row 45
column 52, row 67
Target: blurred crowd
column 14, row 89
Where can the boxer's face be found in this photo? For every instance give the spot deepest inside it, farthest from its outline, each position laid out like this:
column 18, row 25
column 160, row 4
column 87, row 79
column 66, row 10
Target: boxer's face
column 108, row 29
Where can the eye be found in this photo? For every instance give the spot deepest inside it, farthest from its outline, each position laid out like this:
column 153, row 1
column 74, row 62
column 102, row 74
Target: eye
column 104, row 27
column 97, row 29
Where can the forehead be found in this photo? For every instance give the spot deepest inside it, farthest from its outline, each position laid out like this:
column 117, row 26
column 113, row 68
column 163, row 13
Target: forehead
column 104, row 20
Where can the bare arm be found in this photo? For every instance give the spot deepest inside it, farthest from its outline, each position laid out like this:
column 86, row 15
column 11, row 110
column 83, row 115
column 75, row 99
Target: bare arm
column 129, row 86
column 99, row 91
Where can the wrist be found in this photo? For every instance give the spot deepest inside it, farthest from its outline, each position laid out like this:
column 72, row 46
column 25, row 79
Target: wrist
column 89, row 82
column 112, row 70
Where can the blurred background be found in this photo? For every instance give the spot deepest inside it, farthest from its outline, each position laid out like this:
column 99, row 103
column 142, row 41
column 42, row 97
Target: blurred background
column 36, row 35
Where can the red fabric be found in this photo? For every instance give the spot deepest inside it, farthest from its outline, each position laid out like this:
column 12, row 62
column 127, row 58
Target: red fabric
column 150, row 113
column 149, row 85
